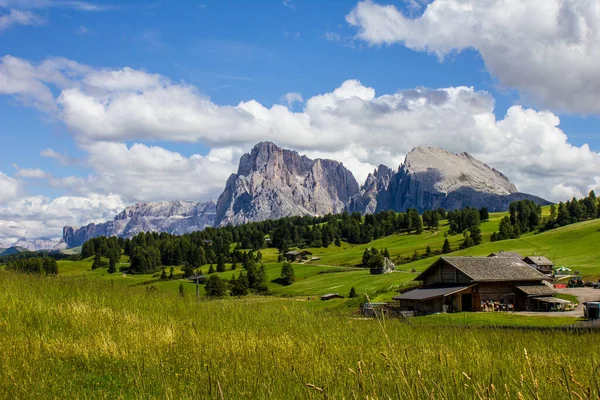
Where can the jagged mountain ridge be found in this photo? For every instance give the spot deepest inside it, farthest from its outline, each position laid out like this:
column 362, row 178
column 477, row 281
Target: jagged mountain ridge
column 272, row 183
column 175, row 217
column 431, row 177
column 34, row 244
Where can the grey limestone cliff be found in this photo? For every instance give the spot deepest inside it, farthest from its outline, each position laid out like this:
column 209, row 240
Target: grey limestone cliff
column 431, row 177
column 272, row 183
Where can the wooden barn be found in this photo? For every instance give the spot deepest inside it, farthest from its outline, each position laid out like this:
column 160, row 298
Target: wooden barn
column 453, row 284
column 540, row 263
column 298, row 255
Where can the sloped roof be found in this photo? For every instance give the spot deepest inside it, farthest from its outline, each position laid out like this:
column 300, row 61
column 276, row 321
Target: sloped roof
column 536, row 290
column 540, row 260
column 490, row 269
column 431, row 292
column 509, row 254
column 297, row 252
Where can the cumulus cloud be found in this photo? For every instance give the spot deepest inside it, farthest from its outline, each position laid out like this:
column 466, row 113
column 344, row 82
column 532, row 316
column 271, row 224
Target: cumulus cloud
column 40, row 216
column 9, row 188
column 352, row 123
column 144, row 173
column 549, row 50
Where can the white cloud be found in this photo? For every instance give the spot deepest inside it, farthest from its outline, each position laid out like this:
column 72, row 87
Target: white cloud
column 60, row 157
column 39, row 216
column 104, row 108
column 9, row 188
column 143, row 173
column 292, row 97
column 31, row 173
column 18, row 17
column 549, row 50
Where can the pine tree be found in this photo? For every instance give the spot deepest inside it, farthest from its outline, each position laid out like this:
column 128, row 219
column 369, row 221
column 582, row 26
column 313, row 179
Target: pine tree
column 221, row 263
column 181, row 291
column 287, row 274
column 215, row 286
column 446, row 247
column 352, row 293
column 211, row 270
column 97, row 262
column 338, row 242
column 163, row 275
column 475, row 234
column 428, row 251
column 365, row 258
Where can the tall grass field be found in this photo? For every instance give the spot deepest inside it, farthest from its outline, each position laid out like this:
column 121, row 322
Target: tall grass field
column 75, row 337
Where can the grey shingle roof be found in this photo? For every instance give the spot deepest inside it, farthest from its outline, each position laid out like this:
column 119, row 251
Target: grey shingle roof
column 539, row 260
column 491, row 269
column 430, row 292
column 536, row 290
column 506, row 254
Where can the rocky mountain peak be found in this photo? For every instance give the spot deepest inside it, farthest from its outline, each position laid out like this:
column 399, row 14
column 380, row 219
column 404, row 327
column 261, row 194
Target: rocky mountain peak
column 176, row 217
column 272, row 182
column 443, row 171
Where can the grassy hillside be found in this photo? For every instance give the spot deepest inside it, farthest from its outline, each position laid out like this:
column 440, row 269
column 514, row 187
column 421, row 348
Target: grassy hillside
column 572, row 246
column 70, row 337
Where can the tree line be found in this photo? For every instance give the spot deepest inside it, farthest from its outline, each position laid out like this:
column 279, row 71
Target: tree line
column 36, row 265
column 526, row 216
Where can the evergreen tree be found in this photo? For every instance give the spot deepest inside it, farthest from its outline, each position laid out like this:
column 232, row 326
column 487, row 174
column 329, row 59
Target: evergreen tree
column 428, row 251
column 97, row 262
column 112, row 267
column 211, row 270
column 505, row 230
column 50, row 266
column 352, row 293
column 188, row 270
column 287, row 274
column 338, row 242
column 446, row 247
column 563, row 217
column 215, row 286
column 239, row 286
column 181, row 290
column 475, row 235
column 113, row 257
column 220, row 263
column 163, row 275
column 386, row 253
column 484, row 214
column 366, row 257
column 261, row 283
column 171, row 273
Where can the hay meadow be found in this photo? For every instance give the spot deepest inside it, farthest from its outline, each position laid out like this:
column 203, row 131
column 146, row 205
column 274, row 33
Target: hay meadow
column 72, row 337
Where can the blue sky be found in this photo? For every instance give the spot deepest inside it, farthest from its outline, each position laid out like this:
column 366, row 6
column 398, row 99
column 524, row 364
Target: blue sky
column 222, row 53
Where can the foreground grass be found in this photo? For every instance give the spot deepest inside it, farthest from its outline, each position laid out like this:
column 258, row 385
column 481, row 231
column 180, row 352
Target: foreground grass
column 70, row 337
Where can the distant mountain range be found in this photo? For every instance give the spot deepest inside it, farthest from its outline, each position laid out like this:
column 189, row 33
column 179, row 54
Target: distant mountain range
column 272, row 182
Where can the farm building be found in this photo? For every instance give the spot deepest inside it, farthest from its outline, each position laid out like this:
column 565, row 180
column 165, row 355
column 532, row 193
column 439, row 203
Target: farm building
column 540, row 263
column 297, row 255
column 453, row 284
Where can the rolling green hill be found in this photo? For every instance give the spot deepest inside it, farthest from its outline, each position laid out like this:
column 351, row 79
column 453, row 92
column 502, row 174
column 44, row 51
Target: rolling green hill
column 572, row 246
